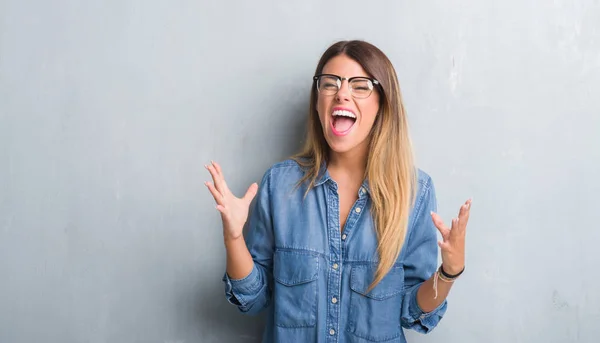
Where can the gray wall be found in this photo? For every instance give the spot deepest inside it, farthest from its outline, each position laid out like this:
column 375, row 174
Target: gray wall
column 109, row 109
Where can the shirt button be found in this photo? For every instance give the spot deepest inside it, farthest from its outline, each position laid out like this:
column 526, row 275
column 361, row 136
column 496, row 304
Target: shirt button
column 335, row 266
column 357, row 210
column 332, row 332
column 334, row 300
column 343, row 237
column 362, row 190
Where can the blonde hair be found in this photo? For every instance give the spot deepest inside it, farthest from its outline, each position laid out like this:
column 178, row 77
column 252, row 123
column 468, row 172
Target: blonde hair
column 390, row 167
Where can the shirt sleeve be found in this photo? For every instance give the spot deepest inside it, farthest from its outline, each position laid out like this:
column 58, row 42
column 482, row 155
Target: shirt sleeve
column 252, row 293
column 421, row 263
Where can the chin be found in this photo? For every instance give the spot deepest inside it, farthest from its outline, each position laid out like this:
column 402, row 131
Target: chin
column 341, row 147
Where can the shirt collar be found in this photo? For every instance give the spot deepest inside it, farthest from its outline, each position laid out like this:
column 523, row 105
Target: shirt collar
column 324, row 177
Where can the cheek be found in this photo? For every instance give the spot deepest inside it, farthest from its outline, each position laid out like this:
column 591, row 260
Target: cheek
column 369, row 112
column 322, row 105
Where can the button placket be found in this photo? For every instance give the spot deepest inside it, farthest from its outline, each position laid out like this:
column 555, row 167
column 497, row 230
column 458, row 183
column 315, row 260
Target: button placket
column 335, row 258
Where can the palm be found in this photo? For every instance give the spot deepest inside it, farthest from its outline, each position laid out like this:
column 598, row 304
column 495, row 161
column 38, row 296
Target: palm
column 234, row 210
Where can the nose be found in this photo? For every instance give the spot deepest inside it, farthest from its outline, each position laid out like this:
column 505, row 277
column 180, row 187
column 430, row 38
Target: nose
column 343, row 93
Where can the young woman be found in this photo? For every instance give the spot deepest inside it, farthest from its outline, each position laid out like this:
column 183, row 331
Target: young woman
column 342, row 244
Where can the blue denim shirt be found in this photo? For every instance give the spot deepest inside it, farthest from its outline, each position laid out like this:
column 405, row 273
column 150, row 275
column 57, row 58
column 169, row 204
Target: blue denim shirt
column 313, row 277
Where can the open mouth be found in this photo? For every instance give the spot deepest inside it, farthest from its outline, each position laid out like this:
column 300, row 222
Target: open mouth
column 343, row 121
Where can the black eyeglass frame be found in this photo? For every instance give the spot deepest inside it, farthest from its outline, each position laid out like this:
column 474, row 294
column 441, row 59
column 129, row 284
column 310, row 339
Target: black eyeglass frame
column 374, row 82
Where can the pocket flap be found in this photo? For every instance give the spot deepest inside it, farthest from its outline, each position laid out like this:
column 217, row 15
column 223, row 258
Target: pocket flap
column 363, row 275
column 293, row 268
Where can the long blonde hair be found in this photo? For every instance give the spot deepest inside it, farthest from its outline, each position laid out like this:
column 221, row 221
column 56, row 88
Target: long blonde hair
column 390, row 167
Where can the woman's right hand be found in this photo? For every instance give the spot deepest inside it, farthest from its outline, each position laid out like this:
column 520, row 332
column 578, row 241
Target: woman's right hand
column 234, row 211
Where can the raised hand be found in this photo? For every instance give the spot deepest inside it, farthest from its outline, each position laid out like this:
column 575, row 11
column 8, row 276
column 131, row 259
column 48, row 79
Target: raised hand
column 234, row 211
column 453, row 242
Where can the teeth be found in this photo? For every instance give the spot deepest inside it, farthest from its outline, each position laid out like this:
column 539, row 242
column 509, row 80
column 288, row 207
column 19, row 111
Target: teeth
column 344, row 114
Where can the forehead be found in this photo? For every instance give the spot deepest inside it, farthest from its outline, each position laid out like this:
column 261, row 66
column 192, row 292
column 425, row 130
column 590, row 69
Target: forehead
column 344, row 66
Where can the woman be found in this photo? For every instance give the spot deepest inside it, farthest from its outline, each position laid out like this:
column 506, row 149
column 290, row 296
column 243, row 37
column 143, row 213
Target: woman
column 341, row 244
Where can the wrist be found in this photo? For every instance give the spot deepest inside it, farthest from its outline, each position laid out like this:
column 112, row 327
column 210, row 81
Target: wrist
column 232, row 240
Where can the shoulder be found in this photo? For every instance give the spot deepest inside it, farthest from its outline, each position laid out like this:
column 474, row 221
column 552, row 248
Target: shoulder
column 286, row 172
column 285, row 169
column 288, row 164
column 424, row 181
column 420, row 225
column 425, row 195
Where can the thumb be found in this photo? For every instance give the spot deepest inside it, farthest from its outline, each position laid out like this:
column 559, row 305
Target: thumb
column 251, row 192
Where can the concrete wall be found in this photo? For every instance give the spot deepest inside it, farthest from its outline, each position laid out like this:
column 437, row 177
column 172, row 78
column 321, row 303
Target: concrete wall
column 109, row 109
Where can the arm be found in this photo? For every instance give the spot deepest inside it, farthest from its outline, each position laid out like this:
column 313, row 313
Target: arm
column 426, row 302
column 433, row 292
column 239, row 260
column 420, row 264
column 249, row 261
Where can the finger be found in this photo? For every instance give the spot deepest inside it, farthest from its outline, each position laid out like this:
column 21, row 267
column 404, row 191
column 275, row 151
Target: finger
column 217, row 168
column 454, row 229
column 251, row 192
column 222, row 176
column 215, row 193
column 444, row 245
column 221, row 209
column 463, row 215
column 439, row 224
column 217, row 179
column 213, row 172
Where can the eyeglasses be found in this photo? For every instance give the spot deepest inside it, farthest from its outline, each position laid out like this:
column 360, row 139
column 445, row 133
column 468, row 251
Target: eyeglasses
column 360, row 87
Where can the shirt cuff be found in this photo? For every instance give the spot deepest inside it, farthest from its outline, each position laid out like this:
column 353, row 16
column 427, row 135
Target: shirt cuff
column 428, row 320
column 239, row 291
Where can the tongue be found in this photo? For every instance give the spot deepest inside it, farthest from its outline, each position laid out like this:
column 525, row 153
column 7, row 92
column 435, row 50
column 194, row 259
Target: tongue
column 342, row 124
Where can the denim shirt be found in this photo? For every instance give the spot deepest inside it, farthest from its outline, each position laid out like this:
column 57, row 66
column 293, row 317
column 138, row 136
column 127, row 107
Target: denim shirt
column 313, row 277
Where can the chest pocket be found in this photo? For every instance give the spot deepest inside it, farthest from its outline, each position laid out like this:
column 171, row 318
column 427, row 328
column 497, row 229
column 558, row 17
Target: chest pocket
column 375, row 316
column 295, row 288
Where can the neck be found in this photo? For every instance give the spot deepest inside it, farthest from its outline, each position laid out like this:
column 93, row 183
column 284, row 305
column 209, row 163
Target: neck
column 351, row 164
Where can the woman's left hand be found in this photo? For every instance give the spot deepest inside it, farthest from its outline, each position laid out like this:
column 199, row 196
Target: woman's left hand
column 453, row 243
